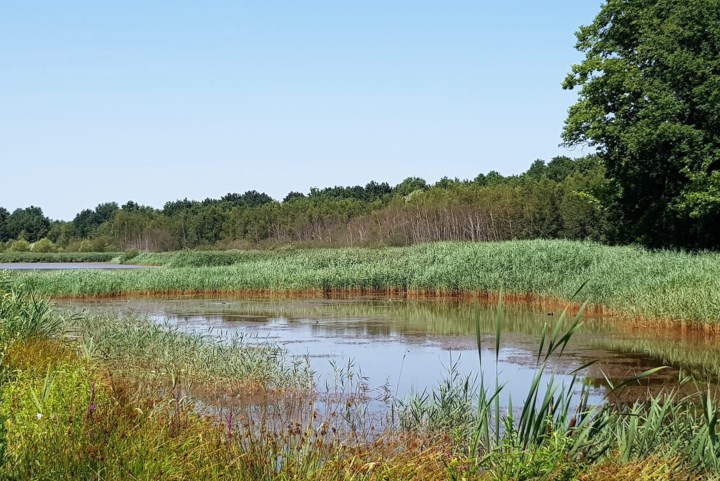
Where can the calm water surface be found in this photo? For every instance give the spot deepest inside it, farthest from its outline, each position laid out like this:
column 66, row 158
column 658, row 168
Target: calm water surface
column 405, row 346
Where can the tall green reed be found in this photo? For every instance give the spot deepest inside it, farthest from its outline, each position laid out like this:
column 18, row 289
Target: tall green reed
column 671, row 286
column 560, row 425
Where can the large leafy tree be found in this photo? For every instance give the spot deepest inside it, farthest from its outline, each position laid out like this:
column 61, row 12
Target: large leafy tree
column 87, row 221
column 30, row 223
column 649, row 102
column 4, row 231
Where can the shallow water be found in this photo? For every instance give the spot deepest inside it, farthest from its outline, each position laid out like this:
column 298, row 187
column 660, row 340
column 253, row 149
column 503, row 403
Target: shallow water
column 407, row 346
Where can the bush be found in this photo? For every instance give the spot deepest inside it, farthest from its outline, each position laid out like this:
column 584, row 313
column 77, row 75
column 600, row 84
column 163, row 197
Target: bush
column 97, row 244
column 20, row 245
column 44, row 245
column 127, row 256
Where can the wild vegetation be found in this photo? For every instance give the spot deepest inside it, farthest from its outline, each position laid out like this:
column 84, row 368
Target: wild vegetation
column 111, row 397
column 75, row 405
column 15, row 256
column 560, row 199
column 660, row 286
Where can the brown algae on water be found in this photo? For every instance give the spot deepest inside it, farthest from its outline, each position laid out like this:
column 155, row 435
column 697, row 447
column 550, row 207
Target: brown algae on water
column 408, row 346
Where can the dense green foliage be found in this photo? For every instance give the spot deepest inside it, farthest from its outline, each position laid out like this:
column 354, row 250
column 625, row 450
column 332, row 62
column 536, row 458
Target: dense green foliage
column 37, row 256
column 649, row 97
column 649, row 102
column 29, row 224
column 632, row 281
column 558, row 199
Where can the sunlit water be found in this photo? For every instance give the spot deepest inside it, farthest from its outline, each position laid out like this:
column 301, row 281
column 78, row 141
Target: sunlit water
column 402, row 347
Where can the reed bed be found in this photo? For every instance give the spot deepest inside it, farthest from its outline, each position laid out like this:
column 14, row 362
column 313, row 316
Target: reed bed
column 632, row 282
column 218, row 362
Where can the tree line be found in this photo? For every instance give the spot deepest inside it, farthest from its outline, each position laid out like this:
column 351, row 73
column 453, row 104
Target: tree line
column 648, row 104
column 562, row 198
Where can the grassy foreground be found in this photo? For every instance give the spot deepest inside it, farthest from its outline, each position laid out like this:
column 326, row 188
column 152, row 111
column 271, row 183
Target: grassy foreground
column 631, row 281
column 97, row 399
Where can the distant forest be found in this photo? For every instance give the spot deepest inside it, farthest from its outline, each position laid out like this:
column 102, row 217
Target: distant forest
column 648, row 104
column 561, row 199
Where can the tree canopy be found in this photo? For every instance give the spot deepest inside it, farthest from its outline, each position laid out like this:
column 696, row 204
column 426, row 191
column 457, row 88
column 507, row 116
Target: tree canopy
column 649, row 102
column 558, row 199
column 29, row 223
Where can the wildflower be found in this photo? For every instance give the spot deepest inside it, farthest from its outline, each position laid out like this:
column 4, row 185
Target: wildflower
column 39, row 416
column 92, row 406
column 229, row 425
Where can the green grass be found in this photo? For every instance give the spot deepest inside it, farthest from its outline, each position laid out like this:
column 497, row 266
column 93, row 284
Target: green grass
column 152, row 351
column 75, row 404
column 556, row 432
column 11, row 257
column 631, row 281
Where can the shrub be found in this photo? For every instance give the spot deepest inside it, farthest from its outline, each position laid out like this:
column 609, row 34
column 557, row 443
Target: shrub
column 44, row 245
column 20, row 245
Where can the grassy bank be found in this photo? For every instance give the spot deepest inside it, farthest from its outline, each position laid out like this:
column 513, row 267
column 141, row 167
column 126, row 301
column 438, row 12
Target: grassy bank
column 84, row 398
column 11, row 257
column 631, row 281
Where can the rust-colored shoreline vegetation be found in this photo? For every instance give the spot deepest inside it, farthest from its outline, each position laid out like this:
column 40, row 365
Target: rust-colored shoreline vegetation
column 104, row 396
column 631, row 282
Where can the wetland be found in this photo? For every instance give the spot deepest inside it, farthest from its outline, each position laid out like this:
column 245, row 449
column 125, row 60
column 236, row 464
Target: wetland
column 403, row 347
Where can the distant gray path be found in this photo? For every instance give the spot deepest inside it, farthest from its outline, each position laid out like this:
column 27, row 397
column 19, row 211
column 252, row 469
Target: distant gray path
column 59, row 266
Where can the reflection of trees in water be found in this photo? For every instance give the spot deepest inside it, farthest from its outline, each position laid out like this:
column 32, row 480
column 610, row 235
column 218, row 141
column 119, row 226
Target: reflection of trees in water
column 378, row 317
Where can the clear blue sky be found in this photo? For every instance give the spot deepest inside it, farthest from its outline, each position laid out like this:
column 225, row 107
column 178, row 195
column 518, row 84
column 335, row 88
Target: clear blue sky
column 159, row 100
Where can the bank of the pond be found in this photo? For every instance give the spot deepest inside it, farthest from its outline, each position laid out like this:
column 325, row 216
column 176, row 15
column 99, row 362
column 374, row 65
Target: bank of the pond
column 59, row 257
column 103, row 394
column 665, row 286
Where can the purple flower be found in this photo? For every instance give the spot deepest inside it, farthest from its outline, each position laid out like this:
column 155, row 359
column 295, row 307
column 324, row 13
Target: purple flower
column 229, row 424
column 92, row 406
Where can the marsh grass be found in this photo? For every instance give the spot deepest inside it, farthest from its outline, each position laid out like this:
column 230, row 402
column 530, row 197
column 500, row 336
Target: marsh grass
column 23, row 313
column 80, row 420
column 148, row 349
column 82, row 408
column 558, row 433
column 664, row 286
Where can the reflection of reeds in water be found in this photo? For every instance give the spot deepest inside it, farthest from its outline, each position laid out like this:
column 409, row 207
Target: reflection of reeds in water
column 153, row 350
column 73, row 410
column 701, row 357
column 439, row 317
column 559, row 424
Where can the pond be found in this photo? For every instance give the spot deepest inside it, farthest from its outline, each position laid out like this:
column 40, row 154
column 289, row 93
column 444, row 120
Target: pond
column 407, row 346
